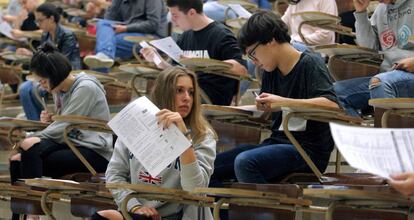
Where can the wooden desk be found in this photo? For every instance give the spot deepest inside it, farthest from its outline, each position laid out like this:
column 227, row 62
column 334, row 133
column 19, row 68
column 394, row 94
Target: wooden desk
column 324, row 21
column 311, row 112
column 62, row 189
column 398, row 106
column 15, row 126
column 150, row 192
column 241, row 115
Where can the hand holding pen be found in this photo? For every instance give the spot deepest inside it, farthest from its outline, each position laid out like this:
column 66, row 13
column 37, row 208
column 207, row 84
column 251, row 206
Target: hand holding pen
column 264, row 100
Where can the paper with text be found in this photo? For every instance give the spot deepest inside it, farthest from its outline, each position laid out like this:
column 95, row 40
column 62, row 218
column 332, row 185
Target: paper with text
column 380, row 151
column 169, row 47
column 137, row 127
column 240, row 10
column 156, row 59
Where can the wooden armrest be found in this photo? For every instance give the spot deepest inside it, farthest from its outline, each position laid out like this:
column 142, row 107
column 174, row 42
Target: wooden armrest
column 59, row 184
column 78, row 119
column 317, row 16
column 239, row 193
column 218, row 110
column 141, row 188
column 15, row 122
column 345, row 49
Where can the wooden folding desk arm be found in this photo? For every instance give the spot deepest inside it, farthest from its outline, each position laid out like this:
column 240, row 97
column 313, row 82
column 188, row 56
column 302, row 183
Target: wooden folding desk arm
column 398, row 106
column 157, row 193
column 82, row 123
column 310, row 112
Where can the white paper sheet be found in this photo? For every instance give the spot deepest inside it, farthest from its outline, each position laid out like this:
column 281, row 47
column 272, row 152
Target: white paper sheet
column 136, row 126
column 169, row 47
column 379, row 151
column 156, row 59
column 5, row 29
column 242, row 12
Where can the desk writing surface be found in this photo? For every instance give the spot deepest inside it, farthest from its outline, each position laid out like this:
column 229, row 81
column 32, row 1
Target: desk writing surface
column 344, row 49
column 317, row 16
column 393, row 103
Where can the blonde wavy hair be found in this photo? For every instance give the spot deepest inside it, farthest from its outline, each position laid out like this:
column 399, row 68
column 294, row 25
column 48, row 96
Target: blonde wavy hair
column 162, row 95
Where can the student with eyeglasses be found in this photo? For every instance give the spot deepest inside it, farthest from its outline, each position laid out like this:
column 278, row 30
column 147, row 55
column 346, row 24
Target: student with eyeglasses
column 47, row 18
column 289, row 76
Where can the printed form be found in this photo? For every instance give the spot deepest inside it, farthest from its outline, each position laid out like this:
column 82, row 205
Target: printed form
column 380, row 151
column 137, row 127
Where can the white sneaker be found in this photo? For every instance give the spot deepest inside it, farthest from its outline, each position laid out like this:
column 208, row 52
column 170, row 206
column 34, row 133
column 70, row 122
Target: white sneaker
column 99, row 60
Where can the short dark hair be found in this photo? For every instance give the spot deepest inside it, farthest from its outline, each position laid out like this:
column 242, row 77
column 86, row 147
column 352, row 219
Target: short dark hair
column 263, row 27
column 48, row 63
column 49, row 10
column 186, row 5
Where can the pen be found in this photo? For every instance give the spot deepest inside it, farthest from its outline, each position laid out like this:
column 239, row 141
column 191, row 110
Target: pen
column 256, row 96
column 44, row 103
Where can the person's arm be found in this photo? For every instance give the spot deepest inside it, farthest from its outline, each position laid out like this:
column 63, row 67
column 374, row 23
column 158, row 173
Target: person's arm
column 113, row 11
column 198, row 173
column 118, row 171
column 80, row 103
column 366, row 30
column 403, row 183
column 265, row 100
column 230, row 52
column 68, row 45
column 149, row 53
column 197, row 161
column 322, row 36
column 154, row 12
column 406, row 64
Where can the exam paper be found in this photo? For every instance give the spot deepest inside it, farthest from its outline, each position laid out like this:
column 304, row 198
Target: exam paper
column 136, row 126
column 169, row 47
column 380, row 151
column 242, row 12
column 6, row 29
column 157, row 59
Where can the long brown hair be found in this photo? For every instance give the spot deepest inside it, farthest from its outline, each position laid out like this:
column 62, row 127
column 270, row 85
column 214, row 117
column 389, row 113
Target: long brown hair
column 163, row 94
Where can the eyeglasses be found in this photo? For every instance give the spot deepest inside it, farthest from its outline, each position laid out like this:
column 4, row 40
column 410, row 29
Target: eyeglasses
column 251, row 55
column 39, row 21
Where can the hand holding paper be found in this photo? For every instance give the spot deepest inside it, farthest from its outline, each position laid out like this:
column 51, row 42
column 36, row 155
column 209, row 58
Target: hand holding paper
column 137, row 127
column 151, row 55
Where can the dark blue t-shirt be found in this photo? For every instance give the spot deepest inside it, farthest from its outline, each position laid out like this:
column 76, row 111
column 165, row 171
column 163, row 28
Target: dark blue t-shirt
column 308, row 79
column 219, row 43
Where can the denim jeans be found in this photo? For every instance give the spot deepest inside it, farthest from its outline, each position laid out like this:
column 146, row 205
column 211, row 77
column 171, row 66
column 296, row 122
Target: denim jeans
column 31, row 106
column 112, row 44
column 263, row 163
column 353, row 94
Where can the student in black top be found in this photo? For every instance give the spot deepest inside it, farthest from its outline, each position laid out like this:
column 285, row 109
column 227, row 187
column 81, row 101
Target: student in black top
column 205, row 38
column 288, row 76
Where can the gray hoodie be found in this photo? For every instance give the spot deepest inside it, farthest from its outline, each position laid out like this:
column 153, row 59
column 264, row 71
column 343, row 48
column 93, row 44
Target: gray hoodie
column 86, row 97
column 125, row 168
column 389, row 31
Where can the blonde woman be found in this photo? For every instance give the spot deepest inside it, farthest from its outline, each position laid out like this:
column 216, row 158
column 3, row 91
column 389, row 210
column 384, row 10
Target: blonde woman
column 176, row 93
